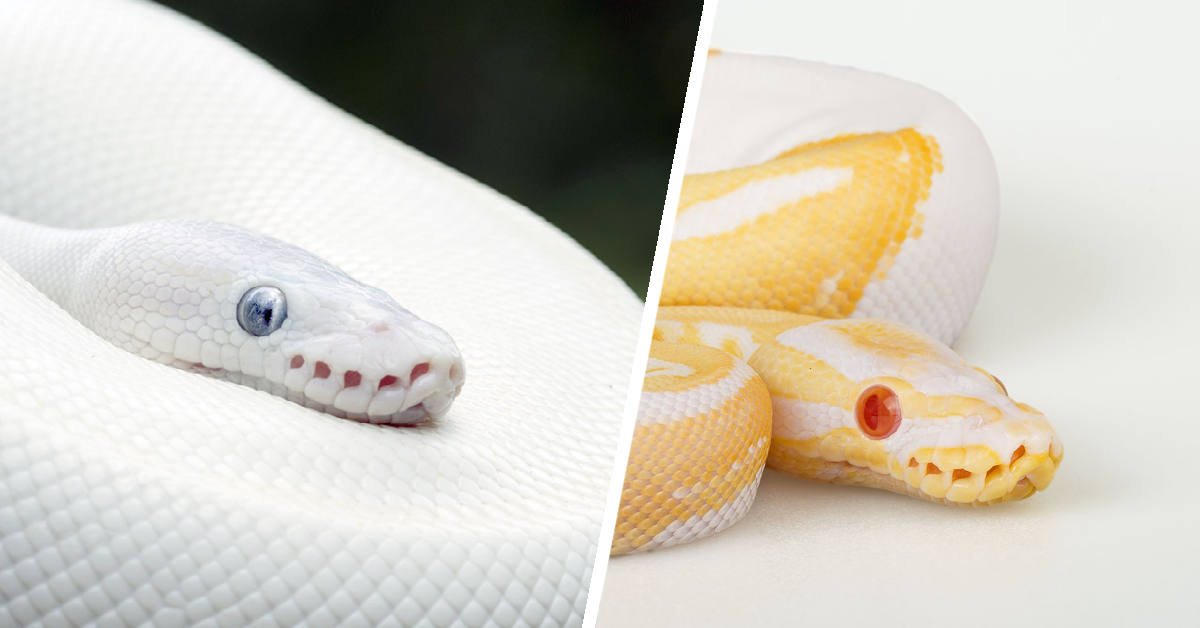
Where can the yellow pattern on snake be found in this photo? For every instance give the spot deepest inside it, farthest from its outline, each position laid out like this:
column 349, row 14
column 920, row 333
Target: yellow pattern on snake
column 863, row 205
column 754, row 360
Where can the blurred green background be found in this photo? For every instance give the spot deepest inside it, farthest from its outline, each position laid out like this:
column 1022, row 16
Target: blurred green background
column 570, row 108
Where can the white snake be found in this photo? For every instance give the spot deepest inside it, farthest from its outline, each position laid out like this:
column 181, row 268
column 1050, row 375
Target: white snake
column 829, row 192
column 140, row 495
column 223, row 301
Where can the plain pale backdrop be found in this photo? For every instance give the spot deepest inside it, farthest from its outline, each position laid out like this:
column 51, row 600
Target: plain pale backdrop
column 1089, row 314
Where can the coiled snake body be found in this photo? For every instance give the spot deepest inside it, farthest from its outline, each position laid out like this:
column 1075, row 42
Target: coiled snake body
column 135, row 494
column 833, row 234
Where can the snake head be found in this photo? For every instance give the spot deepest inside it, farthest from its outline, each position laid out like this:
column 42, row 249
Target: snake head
column 873, row 402
column 238, row 305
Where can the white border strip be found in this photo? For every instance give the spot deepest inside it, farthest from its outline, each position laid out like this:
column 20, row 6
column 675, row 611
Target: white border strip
column 674, row 187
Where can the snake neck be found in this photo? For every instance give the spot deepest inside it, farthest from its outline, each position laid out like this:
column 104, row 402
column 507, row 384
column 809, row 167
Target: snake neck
column 53, row 260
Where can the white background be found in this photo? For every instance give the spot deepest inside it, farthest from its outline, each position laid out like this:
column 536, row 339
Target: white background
column 1090, row 314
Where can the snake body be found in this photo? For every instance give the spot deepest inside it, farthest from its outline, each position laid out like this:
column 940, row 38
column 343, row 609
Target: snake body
column 832, row 238
column 136, row 494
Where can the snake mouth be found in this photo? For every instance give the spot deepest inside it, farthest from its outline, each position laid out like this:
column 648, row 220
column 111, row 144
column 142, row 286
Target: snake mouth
column 1023, row 475
column 406, row 398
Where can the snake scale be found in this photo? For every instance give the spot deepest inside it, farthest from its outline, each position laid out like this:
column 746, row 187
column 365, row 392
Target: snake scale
column 135, row 494
column 832, row 238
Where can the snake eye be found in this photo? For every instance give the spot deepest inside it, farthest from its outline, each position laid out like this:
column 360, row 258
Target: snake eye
column 878, row 411
column 262, row 310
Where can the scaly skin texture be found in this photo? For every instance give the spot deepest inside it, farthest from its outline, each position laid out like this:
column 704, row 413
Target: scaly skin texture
column 834, row 230
column 137, row 495
column 698, row 449
column 858, row 206
column 169, row 291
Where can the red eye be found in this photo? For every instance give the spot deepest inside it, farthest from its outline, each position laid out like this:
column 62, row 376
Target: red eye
column 878, row 411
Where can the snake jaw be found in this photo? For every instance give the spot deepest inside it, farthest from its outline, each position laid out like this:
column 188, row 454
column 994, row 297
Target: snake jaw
column 1001, row 483
column 999, row 460
column 391, row 373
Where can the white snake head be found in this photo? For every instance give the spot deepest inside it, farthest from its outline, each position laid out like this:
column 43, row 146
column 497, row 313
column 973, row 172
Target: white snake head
column 236, row 304
column 873, row 402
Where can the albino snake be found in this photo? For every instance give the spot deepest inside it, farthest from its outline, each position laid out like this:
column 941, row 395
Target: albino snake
column 832, row 193
column 223, row 301
column 136, row 494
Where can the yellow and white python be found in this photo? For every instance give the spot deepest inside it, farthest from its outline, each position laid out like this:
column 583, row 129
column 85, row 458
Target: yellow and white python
column 832, row 238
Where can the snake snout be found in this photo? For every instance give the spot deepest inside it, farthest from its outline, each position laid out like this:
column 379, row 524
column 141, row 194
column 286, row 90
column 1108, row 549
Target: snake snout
column 435, row 384
column 405, row 394
column 396, row 373
column 1027, row 471
column 385, row 368
column 409, row 393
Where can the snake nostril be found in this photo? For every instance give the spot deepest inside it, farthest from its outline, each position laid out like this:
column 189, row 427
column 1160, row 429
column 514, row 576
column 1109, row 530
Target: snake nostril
column 418, row 371
column 297, row 361
column 390, row 380
column 321, row 370
column 352, row 379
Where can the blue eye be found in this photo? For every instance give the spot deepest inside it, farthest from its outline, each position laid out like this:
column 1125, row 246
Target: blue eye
column 262, row 310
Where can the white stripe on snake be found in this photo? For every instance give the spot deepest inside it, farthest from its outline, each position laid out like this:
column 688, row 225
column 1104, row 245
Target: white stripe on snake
column 827, row 216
